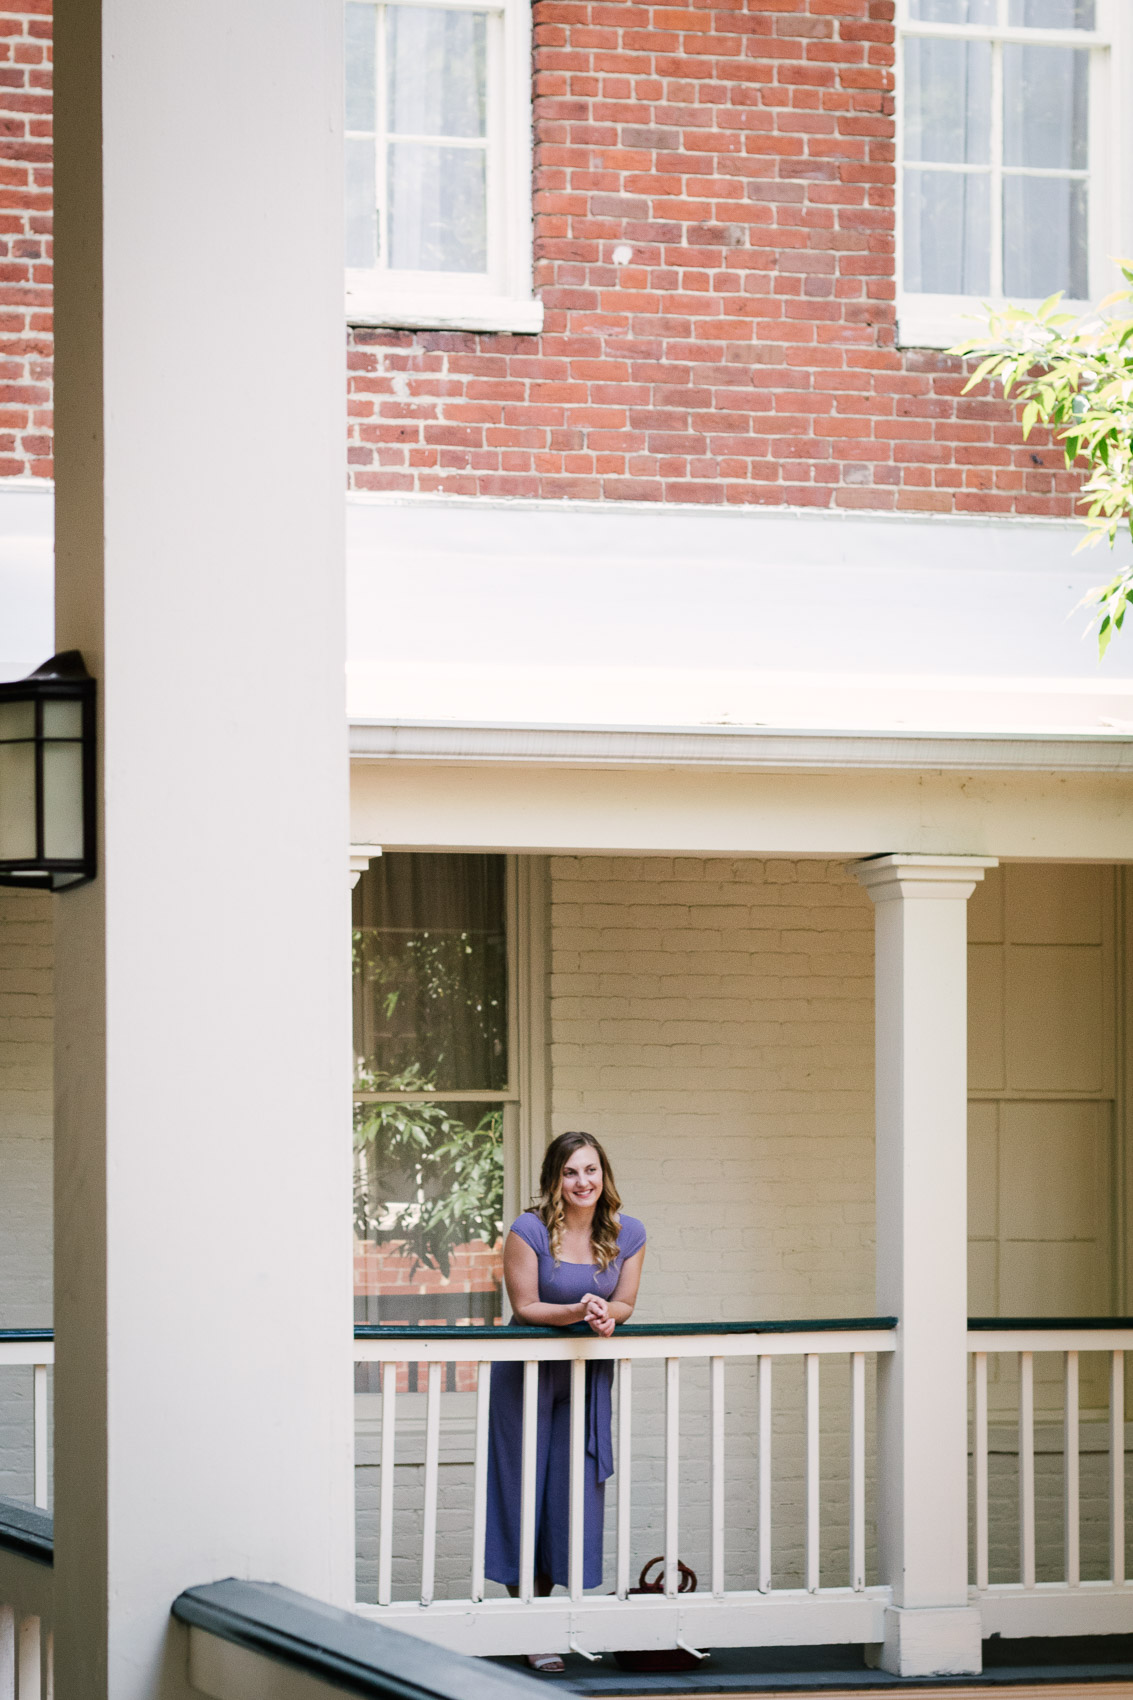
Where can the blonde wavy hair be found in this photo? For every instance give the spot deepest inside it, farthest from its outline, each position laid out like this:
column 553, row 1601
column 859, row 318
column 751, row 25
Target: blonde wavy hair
column 549, row 1205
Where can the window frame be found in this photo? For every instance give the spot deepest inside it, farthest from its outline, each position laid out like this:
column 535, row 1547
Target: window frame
column 524, row 1098
column 938, row 321
column 502, row 299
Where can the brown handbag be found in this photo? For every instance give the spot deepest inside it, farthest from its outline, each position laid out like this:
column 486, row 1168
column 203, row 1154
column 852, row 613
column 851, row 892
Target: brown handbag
column 660, row 1658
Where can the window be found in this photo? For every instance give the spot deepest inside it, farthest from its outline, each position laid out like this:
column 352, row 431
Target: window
column 432, row 1050
column 1007, row 132
column 438, row 165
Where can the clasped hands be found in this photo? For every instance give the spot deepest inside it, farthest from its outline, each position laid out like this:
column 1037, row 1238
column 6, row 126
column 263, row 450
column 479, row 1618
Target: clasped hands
column 596, row 1312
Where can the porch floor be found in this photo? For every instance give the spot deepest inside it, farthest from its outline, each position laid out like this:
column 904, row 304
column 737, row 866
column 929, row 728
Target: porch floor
column 1099, row 1665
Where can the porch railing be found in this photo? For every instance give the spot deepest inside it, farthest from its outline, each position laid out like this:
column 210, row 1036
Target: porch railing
column 34, row 1349
column 27, row 1593
column 1008, row 1426
column 818, row 1611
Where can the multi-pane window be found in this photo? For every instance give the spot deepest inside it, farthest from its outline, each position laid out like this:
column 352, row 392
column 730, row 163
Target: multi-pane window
column 1004, row 190
column 433, row 1062
column 438, row 183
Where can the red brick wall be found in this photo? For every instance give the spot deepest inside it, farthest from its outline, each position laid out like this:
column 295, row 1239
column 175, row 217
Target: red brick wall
column 744, row 150
column 25, row 241
column 389, row 1269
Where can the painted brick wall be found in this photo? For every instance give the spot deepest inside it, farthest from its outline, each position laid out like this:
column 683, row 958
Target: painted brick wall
column 712, row 1023
column 25, row 240
column 743, row 149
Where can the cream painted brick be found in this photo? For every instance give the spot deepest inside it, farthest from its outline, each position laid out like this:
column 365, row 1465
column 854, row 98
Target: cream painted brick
column 712, row 1022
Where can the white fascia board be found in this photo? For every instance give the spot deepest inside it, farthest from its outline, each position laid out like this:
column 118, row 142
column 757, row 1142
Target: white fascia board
column 654, row 619
column 741, row 749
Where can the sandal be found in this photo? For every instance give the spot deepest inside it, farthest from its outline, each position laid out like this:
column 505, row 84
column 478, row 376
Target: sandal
column 549, row 1663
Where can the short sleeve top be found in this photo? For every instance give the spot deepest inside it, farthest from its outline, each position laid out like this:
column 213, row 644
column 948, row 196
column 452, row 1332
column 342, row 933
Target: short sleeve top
column 566, row 1283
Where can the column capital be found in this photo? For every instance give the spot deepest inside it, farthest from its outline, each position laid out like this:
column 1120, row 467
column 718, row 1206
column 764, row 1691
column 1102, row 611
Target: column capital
column 896, row 875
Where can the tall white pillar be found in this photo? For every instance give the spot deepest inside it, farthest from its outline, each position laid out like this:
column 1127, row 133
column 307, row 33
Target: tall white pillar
column 203, row 1393
column 921, row 1094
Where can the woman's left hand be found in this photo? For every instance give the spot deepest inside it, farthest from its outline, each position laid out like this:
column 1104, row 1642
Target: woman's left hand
column 598, row 1316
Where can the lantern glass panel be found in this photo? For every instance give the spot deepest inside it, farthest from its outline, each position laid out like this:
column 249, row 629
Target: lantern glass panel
column 17, row 720
column 17, row 799
column 63, row 801
column 63, row 719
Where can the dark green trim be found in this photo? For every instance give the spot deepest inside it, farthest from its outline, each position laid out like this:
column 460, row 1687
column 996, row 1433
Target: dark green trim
column 26, row 1530
column 31, row 1334
column 636, row 1330
column 984, row 1324
column 341, row 1648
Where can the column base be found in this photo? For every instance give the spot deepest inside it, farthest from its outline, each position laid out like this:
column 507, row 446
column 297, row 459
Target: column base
column 929, row 1641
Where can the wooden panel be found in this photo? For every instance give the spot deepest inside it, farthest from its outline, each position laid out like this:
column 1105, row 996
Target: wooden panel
column 987, row 1068
column 1055, row 1038
column 1048, row 1278
column 983, row 1278
column 1054, row 903
column 1054, row 1182
column 983, row 1171
column 1054, row 1171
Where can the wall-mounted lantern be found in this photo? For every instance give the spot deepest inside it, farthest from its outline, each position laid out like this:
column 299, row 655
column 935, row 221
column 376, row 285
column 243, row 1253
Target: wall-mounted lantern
column 47, row 776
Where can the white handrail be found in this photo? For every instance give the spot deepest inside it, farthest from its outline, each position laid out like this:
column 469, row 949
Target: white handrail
column 505, row 1345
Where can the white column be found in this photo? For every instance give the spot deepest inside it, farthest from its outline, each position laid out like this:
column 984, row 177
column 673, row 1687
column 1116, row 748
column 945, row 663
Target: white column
column 203, row 1392
column 921, row 1095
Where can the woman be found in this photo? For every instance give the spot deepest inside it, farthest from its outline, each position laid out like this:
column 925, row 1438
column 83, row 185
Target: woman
column 572, row 1261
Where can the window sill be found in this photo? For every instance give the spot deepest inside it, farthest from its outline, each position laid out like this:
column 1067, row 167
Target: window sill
column 941, row 321
column 467, row 313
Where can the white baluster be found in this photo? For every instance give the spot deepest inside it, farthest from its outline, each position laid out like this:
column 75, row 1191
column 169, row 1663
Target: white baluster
column 625, row 1455
column 1027, row 1469
column 857, row 1471
column 1070, row 1469
column 480, row 1479
column 764, row 1571
column 432, row 1463
column 39, row 1432
column 527, row 1496
column 717, row 1473
column 577, row 1475
column 812, row 1471
column 7, row 1653
column 979, row 1458
column 1117, row 1467
column 29, row 1665
column 385, row 1490
column 672, row 1470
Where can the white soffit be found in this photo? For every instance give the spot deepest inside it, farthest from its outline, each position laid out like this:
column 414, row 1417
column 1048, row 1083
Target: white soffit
column 626, row 632
column 27, row 577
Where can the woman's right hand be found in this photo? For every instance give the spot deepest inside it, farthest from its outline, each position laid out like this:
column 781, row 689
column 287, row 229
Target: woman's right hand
column 596, row 1312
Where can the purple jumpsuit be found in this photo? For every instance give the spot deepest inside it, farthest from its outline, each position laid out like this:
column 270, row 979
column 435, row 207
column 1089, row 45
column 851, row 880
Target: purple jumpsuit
column 563, row 1284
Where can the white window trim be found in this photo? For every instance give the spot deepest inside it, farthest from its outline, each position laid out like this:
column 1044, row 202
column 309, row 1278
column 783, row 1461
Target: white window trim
column 505, row 301
column 940, row 321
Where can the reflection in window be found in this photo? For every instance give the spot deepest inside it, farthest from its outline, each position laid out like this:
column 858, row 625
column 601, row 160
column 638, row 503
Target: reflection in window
column 430, row 974
column 430, row 1024
column 995, row 150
